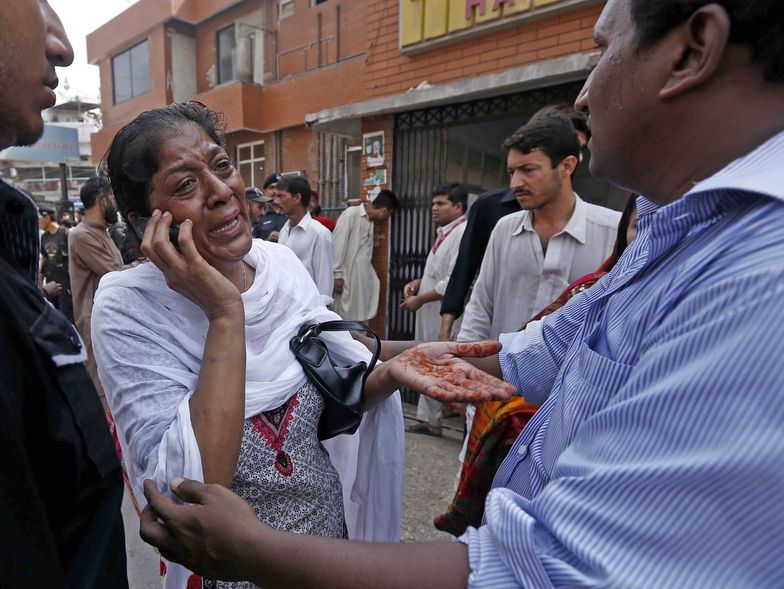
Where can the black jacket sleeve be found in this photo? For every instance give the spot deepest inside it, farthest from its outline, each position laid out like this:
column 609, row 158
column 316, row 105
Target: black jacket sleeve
column 482, row 217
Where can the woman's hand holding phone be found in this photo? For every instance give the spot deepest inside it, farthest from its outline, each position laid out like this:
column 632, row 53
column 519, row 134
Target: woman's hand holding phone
column 186, row 271
column 139, row 225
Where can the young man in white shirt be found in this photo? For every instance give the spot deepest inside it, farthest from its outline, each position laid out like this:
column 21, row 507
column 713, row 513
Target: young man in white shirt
column 309, row 239
column 424, row 294
column 557, row 237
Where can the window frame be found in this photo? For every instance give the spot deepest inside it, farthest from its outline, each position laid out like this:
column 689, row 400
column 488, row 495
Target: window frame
column 218, row 77
column 252, row 181
column 287, row 5
column 129, row 53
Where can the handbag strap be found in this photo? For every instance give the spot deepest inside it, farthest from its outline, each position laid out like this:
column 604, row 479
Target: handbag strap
column 341, row 325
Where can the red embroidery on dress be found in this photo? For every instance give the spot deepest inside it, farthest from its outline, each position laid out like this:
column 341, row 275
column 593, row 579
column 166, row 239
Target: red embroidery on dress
column 273, row 426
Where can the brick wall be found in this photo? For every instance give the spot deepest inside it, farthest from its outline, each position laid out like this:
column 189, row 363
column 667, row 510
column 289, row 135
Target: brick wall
column 300, row 152
column 390, row 72
column 304, row 46
column 286, row 103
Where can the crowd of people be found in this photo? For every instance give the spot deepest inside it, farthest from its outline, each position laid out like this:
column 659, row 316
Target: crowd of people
column 617, row 371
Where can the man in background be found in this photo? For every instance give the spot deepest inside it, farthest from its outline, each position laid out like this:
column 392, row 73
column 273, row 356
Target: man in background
column 556, row 238
column 54, row 263
column 424, row 294
column 60, row 484
column 273, row 221
column 309, row 239
column 92, row 254
column 315, row 211
column 257, row 202
column 356, row 285
column 488, row 209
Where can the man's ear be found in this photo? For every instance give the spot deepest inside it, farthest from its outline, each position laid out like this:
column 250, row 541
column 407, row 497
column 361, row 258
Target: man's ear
column 568, row 165
column 702, row 41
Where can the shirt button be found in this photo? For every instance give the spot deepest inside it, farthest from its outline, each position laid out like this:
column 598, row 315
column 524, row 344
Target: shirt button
column 522, row 450
column 75, row 341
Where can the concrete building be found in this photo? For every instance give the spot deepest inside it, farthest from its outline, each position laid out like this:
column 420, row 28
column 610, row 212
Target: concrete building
column 357, row 95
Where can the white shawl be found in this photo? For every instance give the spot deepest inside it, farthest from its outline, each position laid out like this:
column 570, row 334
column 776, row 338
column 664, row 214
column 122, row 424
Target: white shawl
column 148, row 342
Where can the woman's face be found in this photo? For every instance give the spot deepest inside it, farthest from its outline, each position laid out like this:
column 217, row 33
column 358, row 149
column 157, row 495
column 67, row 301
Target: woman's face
column 196, row 180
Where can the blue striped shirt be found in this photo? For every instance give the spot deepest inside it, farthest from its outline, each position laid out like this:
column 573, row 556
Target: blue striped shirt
column 657, row 457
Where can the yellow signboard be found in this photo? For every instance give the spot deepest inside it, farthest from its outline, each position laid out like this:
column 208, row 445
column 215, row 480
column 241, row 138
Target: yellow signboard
column 423, row 20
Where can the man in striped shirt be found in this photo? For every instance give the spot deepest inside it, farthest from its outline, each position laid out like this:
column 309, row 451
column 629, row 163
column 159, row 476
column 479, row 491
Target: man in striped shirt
column 655, row 459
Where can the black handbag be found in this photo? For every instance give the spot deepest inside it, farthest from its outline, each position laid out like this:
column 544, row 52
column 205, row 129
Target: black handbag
column 341, row 386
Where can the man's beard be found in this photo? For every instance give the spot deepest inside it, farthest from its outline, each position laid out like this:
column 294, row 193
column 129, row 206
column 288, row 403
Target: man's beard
column 110, row 215
column 13, row 131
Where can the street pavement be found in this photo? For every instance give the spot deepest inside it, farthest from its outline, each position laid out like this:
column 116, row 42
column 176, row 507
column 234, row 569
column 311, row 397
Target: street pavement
column 431, row 467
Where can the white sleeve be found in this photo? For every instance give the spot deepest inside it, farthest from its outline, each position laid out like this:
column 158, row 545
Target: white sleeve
column 148, row 389
column 324, row 263
column 479, row 312
column 441, row 285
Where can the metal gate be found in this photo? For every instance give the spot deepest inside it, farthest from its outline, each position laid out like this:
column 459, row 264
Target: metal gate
column 421, row 162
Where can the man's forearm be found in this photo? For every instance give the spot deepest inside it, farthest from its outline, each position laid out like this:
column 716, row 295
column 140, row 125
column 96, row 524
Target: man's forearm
column 329, row 563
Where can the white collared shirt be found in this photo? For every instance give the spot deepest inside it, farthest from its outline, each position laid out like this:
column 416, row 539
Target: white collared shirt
column 517, row 279
column 438, row 269
column 312, row 242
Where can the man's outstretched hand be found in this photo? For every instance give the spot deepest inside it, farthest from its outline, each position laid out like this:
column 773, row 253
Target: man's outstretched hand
column 437, row 370
column 210, row 534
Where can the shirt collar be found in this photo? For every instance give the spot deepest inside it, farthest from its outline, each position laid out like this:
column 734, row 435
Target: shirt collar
column 304, row 222
column 450, row 226
column 758, row 171
column 576, row 226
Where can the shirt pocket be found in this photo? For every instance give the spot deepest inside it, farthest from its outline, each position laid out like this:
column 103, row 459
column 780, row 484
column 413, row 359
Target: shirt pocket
column 591, row 383
column 58, row 341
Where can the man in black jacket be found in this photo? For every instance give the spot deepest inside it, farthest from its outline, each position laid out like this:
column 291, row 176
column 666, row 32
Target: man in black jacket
column 61, row 483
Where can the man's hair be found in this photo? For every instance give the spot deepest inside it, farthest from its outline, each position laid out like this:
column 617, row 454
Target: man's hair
column 554, row 135
column 386, row 199
column 134, row 155
column 296, row 185
column 456, row 193
column 579, row 119
column 271, row 179
column 94, row 189
column 756, row 23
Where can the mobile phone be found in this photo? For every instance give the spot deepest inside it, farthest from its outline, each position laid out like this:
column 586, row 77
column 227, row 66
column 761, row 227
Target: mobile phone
column 139, row 224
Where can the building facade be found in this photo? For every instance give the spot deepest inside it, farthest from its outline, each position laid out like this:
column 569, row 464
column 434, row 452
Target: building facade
column 54, row 169
column 357, row 95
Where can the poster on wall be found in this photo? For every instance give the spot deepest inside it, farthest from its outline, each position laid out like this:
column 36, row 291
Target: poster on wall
column 373, row 145
column 376, row 178
column 373, row 184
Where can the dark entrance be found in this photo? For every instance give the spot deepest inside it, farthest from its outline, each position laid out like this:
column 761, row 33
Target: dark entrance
column 456, row 143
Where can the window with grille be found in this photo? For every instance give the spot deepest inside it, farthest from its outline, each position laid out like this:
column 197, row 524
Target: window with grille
column 250, row 161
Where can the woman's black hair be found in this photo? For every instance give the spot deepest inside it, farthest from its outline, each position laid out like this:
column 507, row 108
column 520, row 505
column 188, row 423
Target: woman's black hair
column 133, row 157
